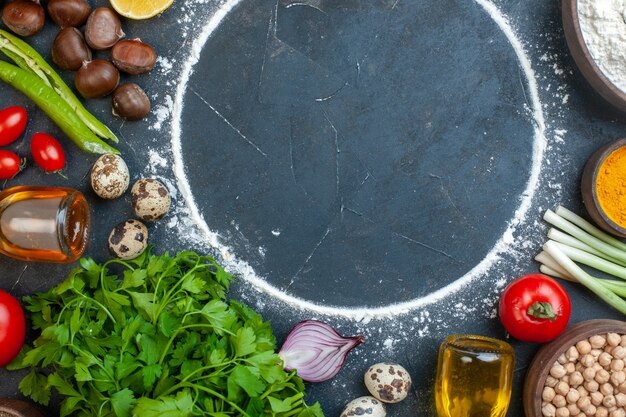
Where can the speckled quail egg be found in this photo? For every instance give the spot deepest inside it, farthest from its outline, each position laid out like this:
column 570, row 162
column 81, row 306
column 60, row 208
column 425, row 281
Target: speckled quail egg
column 151, row 199
column 388, row 382
column 128, row 239
column 109, row 176
column 364, row 406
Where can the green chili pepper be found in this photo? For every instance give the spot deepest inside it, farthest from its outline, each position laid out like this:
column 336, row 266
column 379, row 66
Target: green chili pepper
column 29, row 59
column 55, row 107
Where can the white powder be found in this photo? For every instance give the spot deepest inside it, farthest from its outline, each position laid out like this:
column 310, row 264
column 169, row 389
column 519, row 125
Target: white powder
column 238, row 266
column 603, row 26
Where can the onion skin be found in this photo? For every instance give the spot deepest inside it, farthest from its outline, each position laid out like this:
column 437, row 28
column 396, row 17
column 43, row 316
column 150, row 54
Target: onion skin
column 316, row 351
column 24, row 17
column 96, row 78
column 69, row 49
column 69, row 12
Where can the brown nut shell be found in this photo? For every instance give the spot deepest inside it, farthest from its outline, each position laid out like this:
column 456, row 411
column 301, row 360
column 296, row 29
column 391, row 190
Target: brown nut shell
column 24, row 17
column 67, row 13
column 103, row 29
column 69, row 49
column 96, row 78
column 130, row 102
column 133, row 56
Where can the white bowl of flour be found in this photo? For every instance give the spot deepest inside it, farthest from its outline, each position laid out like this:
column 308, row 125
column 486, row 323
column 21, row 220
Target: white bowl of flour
column 596, row 35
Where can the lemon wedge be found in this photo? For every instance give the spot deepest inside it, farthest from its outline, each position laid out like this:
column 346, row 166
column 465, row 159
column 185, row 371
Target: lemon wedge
column 140, row 9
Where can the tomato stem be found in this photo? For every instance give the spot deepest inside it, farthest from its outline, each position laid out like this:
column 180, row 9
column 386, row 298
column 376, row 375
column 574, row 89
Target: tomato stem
column 542, row 310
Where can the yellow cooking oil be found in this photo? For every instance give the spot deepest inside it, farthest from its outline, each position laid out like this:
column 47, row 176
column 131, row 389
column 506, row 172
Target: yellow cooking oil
column 474, row 377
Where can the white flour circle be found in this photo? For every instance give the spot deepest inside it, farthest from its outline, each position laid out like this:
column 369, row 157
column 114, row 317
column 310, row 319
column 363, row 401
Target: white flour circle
column 242, row 269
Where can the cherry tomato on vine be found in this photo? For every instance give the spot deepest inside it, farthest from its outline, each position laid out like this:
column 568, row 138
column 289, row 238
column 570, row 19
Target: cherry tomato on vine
column 47, row 152
column 12, row 328
column 10, row 164
column 12, row 124
column 534, row 308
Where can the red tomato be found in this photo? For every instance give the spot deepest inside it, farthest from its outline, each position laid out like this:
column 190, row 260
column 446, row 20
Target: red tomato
column 12, row 328
column 12, row 124
column 47, row 152
column 534, row 308
column 10, row 164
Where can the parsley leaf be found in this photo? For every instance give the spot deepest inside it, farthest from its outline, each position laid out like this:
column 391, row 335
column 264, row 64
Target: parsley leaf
column 155, row 336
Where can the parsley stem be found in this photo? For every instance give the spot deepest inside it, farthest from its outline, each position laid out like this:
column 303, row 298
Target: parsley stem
column 168, row 296
column 217, row 394
column 173, row 337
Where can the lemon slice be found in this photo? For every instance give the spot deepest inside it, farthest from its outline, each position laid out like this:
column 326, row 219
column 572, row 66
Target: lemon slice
column 140, row 9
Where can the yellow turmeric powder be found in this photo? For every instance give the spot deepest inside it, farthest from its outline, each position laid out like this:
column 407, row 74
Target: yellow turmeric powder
column 611, row 186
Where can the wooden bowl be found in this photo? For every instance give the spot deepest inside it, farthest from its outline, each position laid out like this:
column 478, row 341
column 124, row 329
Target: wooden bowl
column 583, row 59
column 10, row 407
column 589, row 192
column 548, row 354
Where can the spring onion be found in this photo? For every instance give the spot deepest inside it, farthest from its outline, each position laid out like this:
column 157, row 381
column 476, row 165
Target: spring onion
column 580, row 242
column 316, row 351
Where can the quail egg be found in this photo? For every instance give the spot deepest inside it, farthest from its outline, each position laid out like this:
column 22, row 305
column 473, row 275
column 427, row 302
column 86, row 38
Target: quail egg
column 109, row 176
column 150, row 198
column 364, row 406
column 388, row 382
column 128, row 239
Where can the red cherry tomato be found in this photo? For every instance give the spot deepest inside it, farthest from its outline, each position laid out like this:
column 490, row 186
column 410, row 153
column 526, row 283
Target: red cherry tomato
column 10, row 164
column 12, row 124
column 12, row 328
column 47, row 152
column 534, row 308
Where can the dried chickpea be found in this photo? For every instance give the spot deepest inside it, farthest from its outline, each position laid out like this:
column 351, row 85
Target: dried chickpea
column 605, row 359
column 548, row 394
column 620, row 399
column 620, row 412
column 595, row 352
column 596, row 398
column 583, row 403
column 597, row 366
column 587, row 360
column 591, row 386
column 602, row 412
column 609, row 401
column 559, row 400
column 557, row 371
column 562, row 359
column 619, row 352
column 572, row 354
column 551, row 381
column 575, row 379
column 617, row 365
column 591, row 410
column 623, row 342
column 582, row 391
column 602, row 376
column 573, row 409
column 569, row 367
column 572, row 396
column 589, row 374
column 562, row 412
column 613, row 339
column 562, row 388
column 581, row 414
column 606, row 389
column 597, row 341
column 618, row 377
column 548, row 410
column 583, row 347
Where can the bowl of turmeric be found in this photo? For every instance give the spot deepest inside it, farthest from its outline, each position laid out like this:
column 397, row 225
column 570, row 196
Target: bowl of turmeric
column 603, row 187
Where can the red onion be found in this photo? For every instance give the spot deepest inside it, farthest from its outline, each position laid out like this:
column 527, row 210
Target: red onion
column 316, row 350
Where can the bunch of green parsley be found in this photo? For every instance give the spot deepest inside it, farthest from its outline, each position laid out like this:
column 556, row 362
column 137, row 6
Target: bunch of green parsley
column 155, row 337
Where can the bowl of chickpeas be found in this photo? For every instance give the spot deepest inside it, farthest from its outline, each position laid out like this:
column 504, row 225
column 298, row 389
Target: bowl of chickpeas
column 580, row 374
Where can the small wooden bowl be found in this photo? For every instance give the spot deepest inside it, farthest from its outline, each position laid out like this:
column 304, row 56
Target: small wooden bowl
column 548, row 354
column 589, row 192
column 584, row 60
column 10, row 407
